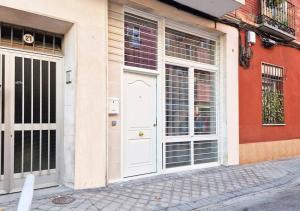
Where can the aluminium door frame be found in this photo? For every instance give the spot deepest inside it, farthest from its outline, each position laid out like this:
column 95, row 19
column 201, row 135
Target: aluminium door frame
column 10, row 53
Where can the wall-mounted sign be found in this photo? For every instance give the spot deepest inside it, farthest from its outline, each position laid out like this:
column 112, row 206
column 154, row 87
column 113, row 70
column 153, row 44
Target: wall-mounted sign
column 28, row 38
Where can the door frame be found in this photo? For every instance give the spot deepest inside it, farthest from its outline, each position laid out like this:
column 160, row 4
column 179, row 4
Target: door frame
column 10, row 183
column 163, row 59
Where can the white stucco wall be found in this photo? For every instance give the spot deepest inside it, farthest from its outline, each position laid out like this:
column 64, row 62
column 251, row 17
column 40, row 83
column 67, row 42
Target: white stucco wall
column 83, row 156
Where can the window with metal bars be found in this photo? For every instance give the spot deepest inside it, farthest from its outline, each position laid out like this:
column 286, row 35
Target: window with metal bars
column 179, row 97
column 140, row 42
column 272, row 94
column 204, row 102
column 186, row 46
column 45, row 42
column 177, row 101
column 178, row 154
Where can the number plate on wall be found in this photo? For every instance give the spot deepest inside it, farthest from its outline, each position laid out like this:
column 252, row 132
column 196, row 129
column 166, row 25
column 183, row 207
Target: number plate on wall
column 28, row 38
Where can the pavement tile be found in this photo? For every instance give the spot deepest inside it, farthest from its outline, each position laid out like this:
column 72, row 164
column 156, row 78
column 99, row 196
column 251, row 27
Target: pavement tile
column 186, row 190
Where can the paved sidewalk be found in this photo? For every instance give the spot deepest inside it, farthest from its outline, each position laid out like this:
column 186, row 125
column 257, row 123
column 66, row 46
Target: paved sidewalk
column 179, row 191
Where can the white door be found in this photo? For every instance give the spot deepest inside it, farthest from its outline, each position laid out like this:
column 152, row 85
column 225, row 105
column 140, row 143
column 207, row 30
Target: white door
column 139, row 101
column 29, row 132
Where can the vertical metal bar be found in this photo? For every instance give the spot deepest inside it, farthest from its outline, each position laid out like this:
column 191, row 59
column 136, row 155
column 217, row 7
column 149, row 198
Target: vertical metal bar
column 23, row 84
column 0, row 32
column 23, row 95
column 40, row 156
column 11, row 36
column 31, row 139
column 22, row 158
column 191, row 76
column 31, row 151
column 44, row 40
column 23, row 43
column 40, row 153
column 41, row 72
column 48, row 116
column 53, row 43
column 0, row 110
column 48, row 151
column 33, row 45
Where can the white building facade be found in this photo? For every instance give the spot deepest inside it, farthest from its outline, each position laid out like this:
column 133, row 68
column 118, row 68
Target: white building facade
column 54, row 125
column 94, row 92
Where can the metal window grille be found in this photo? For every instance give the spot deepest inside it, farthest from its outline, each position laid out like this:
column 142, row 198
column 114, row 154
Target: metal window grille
column 204, row 102
column 140, row 42
column 178, row 154
column 177, row 101
column 205, row 151
column 186, row 46
column 272, row 94
column 46, row 42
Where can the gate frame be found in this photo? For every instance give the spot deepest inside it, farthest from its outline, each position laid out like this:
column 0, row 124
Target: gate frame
column 9, row 182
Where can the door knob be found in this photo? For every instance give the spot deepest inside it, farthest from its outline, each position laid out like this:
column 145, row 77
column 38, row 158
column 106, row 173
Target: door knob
column 141, row 133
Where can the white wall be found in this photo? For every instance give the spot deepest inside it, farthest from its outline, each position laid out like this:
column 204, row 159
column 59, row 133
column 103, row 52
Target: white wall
column 83, row 156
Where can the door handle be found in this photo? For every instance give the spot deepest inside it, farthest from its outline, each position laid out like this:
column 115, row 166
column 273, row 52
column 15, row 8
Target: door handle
column 19, row 82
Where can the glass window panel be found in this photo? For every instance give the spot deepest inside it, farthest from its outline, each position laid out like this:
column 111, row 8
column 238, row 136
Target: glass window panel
column 49, row 42
column 186, row 46
column 27, row 90
column 12, row 36
column 39, row 40
column 6, row 34
column 27, row 152
column 204, row 102
column 18, row 152
column 58, row 44
column 36, row 91
column 45, row 77
column 45, row 149
column 140, row 42
column 17, row 37
column 36, row 151
column 18, row 89
column 52, row 92
column 52, row 149
column 177, row 101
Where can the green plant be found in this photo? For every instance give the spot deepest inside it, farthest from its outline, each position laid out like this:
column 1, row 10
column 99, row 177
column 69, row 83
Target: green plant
column 274, row 3
column 273, row 107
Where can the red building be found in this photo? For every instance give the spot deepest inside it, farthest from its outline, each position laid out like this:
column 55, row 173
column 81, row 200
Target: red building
column 269, row 74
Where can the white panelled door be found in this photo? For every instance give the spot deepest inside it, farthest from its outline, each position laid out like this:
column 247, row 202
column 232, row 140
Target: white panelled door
column 139, row 124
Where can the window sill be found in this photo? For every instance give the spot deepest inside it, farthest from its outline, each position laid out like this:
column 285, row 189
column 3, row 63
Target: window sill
column 274, row 125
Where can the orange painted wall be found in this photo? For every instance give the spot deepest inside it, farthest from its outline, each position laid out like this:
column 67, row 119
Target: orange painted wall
column 250, row 105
